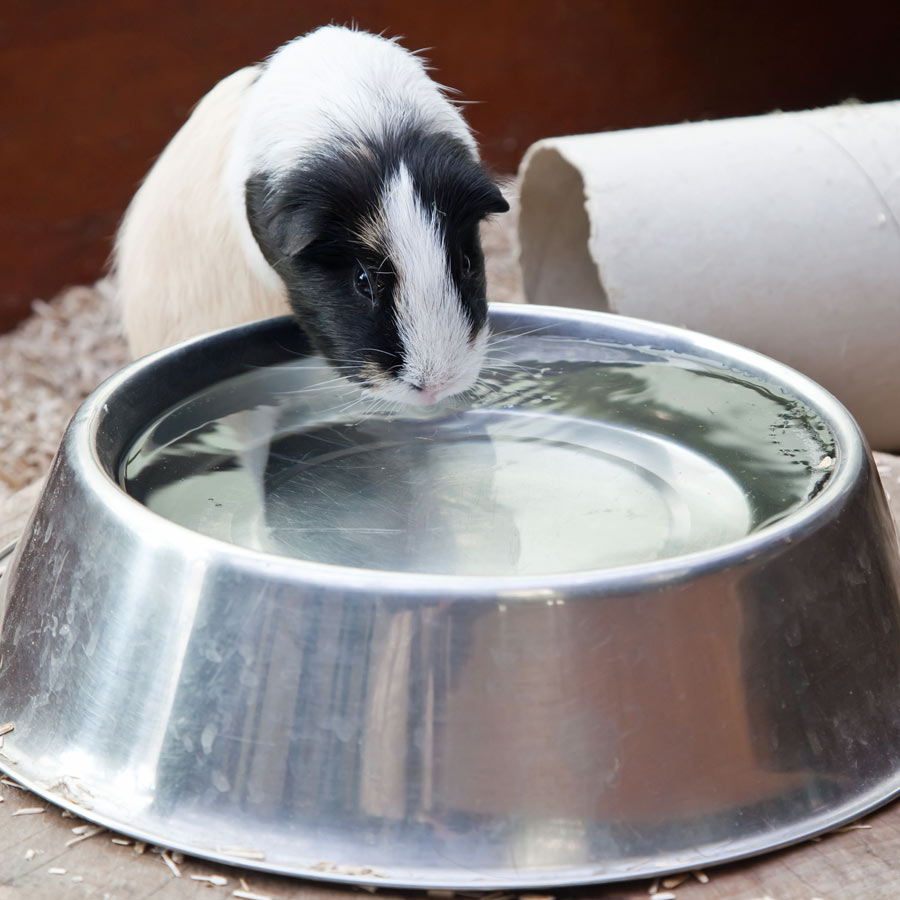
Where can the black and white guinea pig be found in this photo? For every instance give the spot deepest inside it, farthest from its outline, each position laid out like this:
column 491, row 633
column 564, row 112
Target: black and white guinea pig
column 335, row 179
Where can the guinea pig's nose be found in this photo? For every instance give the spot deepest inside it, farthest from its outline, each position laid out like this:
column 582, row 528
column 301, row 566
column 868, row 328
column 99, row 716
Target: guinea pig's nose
column 424, row 396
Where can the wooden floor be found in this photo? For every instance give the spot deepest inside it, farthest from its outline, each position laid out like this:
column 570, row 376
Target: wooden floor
column 42, row 858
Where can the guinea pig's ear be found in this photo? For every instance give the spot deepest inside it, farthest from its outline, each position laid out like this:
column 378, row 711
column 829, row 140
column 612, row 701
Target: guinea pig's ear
column 280, row 229
column 292, row 231
column 492, row 200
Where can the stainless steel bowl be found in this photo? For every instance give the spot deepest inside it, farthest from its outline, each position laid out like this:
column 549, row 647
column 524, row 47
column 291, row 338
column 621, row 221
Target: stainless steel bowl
column 445, row 730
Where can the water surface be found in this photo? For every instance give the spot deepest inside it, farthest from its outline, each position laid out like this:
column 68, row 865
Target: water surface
column 570, row 455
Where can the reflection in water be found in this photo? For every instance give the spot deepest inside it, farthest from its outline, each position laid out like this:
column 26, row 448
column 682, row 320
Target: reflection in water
column 573, row 455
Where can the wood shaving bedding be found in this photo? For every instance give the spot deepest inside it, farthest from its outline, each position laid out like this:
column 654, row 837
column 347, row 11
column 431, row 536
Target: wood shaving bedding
column 48, row 365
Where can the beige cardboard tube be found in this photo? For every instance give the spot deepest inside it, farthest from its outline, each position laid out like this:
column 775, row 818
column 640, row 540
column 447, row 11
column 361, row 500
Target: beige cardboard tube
column 778, row 232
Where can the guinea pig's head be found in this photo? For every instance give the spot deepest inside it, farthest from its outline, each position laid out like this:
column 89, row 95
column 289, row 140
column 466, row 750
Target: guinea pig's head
column 377, row 242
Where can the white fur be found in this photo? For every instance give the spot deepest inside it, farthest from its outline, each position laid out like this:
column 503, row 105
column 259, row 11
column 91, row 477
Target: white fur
column 181, row 267
column 439, row 357
column 336, row 82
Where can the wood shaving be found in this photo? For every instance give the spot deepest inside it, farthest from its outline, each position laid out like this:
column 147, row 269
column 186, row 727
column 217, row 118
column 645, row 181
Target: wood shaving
column 30, row 854
column 664, row 895
column 77, row 879
column 69, row 788
column 124, row 842
column 7, row 728
column 55, row 358
column 345, row 869
column 88, row 832
column 701, row 876
column 170, row 863
column 250, row 895
column 242, row 852
column 140, row 847
column 673, row 881
column 10, row 783
column 55, row 871
column 654, row 887
column 210, row 879
column 29, row 811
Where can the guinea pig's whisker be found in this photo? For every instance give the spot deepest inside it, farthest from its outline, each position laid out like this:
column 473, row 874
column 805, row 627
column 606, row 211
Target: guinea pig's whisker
column 495, row 348
column 310, row 389
column 383, row 404
column 290, row 350
column 484, row 387
column 515, row 335
column 501, row 363
column 338, row 378
column 336, row 366
column 335, row 371
column 350, row 406
column 501, row 374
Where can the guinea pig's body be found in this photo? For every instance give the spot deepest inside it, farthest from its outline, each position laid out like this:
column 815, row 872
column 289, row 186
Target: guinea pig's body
column 337, row 181
column 180, row 265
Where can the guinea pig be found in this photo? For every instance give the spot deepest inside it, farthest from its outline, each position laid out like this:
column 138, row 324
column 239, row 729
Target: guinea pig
column 335, row 180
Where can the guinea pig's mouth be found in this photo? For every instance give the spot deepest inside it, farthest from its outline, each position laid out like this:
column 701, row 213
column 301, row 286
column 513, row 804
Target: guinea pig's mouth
column 400, row 390
column 396, row 387
column 423, row 379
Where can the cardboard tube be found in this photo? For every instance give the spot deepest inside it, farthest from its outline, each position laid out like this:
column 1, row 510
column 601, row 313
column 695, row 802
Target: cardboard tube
column 777, row 232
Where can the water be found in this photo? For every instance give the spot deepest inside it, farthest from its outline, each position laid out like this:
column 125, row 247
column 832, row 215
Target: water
column 570, row 455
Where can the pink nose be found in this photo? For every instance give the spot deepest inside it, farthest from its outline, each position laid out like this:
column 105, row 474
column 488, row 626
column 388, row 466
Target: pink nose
column 426, row 396
column 432, row 392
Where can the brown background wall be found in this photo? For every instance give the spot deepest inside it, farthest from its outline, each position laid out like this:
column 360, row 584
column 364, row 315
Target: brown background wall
column 91, row 91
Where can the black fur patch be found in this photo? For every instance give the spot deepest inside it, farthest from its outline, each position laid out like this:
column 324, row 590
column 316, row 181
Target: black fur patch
column 308, row 223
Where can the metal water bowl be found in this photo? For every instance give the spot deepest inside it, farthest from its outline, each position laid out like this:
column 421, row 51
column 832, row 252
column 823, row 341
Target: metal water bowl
column 456, row 711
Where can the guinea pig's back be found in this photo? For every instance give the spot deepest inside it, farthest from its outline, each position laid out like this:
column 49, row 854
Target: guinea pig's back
column 179, row 264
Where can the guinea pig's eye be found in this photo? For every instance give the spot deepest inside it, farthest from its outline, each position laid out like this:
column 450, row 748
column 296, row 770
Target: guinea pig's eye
column 362, row 281
column 466, row 265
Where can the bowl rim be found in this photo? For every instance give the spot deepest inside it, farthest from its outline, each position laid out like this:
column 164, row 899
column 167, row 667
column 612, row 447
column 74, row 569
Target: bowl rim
column 849, row 467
